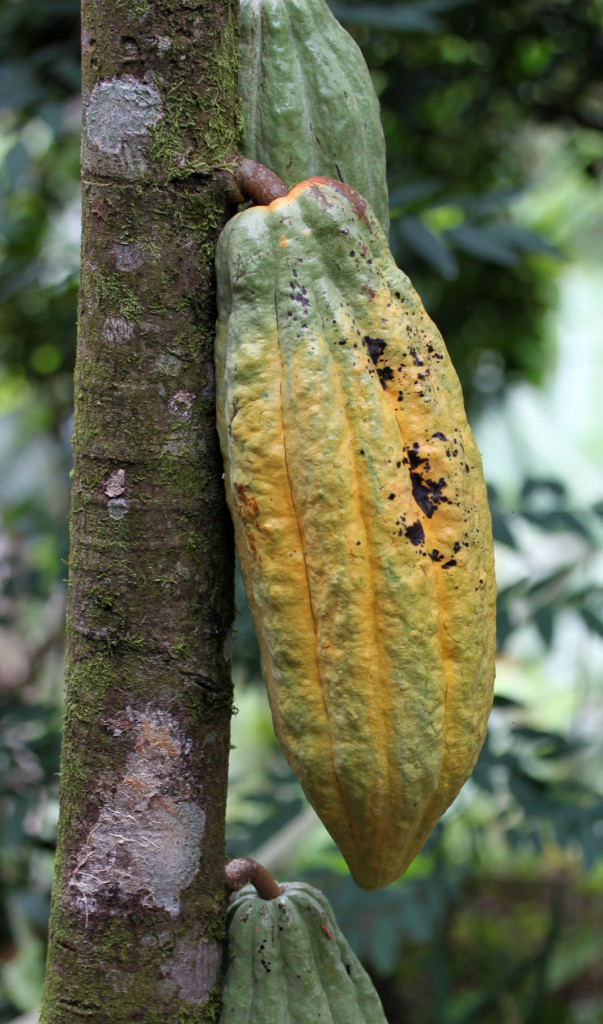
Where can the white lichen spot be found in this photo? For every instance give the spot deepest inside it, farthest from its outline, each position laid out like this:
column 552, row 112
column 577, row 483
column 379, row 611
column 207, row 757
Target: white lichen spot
column 182, row 438
column 117, row 330
column 120, row 108
column 146, row 842
column 181, row 404
column 116, row 484
column 168, row 364
column 178, row 446
column 193, row 970
column 129, row 256
column 163, row 43
column 159, row 939
column 117, row 508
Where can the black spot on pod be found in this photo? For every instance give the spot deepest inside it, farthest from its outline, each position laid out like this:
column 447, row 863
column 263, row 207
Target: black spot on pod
column 426, row 492
column 375, row 346
column 299, row 295
column 384, row 374
column 415, row 533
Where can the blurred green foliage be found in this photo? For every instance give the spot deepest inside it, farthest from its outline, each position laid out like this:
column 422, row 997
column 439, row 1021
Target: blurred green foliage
column 39, row 107
column 495, row 921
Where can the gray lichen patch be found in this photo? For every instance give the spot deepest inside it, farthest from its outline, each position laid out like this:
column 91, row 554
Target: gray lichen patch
column 116, row 484
column 168, row 364
column 147, row 839
column 192, row 972
column 118, row 117
column 161, row 938
column 120, row 108
column 117, row 508
column 129, row 256
column 118, row 329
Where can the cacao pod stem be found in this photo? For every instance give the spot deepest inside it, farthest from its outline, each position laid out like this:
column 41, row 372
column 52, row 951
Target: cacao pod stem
column 238, row 873
column 248, row 179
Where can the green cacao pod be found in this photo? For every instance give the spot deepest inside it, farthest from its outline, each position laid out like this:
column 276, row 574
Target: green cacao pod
column 309, row 105
column 288, row 963
column 361, row 520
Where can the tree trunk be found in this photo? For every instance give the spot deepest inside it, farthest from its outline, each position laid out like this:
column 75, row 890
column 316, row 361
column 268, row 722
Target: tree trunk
column 138, row 900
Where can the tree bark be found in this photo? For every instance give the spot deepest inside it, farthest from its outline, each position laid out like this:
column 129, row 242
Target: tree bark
column 138, row 900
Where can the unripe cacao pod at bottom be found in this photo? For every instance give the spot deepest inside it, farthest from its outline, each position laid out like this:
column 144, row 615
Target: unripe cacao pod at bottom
column 361, row 520
column 288, row 963
column 308, row 102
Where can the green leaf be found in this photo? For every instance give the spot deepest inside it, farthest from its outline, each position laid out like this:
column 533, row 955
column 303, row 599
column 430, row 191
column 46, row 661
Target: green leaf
column 480, row 242
column 547, row 745
column 594, row 623
column 543, row 619
column 506, row 702
column 405, row 195
column 413, row 232
column 480, row 206
column 522, row 240
column 556, row 520
column 529, row 793
column 553, row 579
column 401, row 18
column 16, row 163
column 533, row 485
column 579, row 953
column 501, row 532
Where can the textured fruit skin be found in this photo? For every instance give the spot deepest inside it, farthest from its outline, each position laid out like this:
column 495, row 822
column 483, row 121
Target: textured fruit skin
column 309, row 106
column 290, row 964
column 361, row 520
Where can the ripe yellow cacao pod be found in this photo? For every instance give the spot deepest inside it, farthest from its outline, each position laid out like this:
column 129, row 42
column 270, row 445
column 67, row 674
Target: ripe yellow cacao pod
column 361, row 520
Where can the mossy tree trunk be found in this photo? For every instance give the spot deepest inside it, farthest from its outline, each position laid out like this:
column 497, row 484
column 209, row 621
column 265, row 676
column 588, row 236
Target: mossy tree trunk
column 138, row 902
